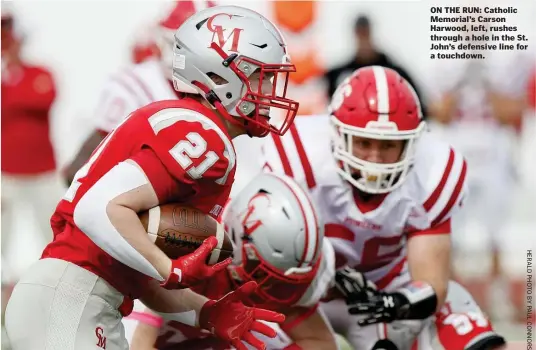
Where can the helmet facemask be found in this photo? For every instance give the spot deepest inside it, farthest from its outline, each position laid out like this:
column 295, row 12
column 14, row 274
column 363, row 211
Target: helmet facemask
column 374, row 178
column 274, row 286
column 257, row 109
column 269, row 95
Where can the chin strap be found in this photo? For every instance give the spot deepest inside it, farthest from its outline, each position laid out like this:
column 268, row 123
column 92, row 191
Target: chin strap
column 215, row 101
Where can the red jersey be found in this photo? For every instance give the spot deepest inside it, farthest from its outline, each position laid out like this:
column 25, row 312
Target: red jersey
column 531, row 93
column 185, row 153
column 27, row 96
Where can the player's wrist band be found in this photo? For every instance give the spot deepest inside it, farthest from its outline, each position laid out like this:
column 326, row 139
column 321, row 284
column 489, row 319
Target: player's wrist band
column 174, row 279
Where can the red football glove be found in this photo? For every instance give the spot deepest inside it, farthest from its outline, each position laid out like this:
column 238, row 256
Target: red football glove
column 192, row 269
column 232, row 321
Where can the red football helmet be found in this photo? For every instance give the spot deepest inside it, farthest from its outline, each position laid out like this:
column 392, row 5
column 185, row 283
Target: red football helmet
column 168, row 25
column 375, row 103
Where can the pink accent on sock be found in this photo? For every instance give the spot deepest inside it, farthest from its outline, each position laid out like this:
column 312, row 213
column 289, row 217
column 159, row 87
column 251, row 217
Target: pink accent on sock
column 146, row 318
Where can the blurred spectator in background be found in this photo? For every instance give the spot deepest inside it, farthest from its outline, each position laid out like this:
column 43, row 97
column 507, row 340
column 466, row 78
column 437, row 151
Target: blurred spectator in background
column 531, row 93
column 133, row 87
column 29, row 177
column 28, row 162
column 477, row 107
column 366, row 55
column 145, row 47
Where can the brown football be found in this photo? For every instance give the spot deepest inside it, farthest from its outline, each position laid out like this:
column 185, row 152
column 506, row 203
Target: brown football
column 179, row 230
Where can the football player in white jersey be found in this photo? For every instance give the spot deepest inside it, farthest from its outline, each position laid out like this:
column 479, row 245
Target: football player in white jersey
column 136, row 85
column 279, row 242
column 387, row 192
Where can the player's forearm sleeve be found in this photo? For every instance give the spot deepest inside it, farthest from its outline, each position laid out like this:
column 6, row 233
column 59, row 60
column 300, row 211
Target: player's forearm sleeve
column 91, row 217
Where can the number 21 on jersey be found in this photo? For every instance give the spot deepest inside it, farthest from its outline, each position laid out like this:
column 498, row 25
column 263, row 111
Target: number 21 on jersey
column 194, row 146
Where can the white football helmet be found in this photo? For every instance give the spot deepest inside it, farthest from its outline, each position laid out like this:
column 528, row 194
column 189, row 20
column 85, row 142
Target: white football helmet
column 278, row 237
column 232, row 43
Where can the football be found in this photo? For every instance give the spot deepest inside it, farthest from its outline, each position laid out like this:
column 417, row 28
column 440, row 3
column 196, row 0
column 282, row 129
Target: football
column 179, row 230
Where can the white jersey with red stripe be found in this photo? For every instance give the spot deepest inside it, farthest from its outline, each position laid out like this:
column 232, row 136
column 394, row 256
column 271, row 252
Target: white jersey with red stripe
column 129, row 89
column 371, row 235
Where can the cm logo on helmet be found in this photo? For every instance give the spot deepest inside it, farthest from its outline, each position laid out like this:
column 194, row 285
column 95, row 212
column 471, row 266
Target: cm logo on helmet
column 219, row 35
column 249, row 223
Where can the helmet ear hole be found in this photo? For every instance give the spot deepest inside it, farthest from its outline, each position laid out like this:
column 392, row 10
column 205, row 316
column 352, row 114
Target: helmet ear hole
column 217, row 79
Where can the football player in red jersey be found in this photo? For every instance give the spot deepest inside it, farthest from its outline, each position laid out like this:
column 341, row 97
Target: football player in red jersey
column 133, row 87
column 279, row 243
column 235, row 62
